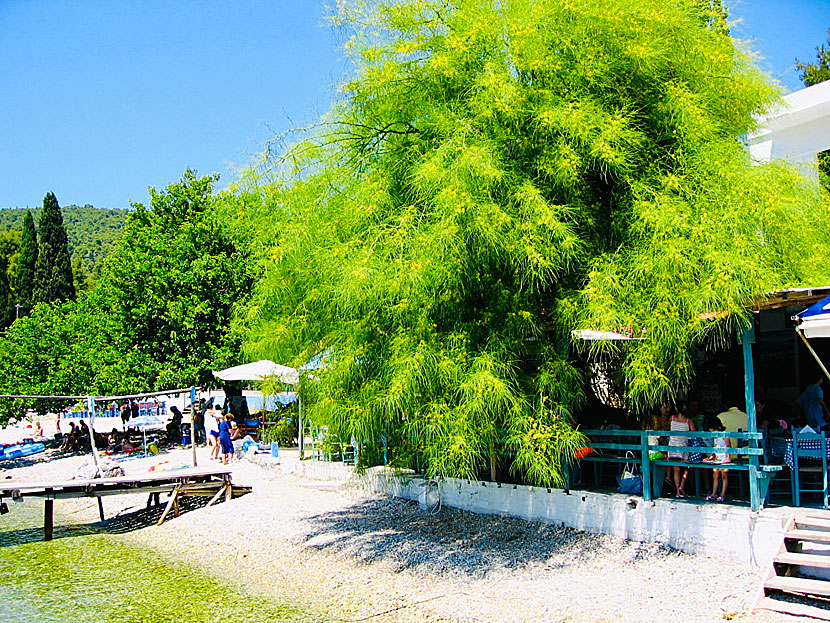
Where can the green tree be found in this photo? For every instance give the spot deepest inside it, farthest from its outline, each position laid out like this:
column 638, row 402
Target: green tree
column 24, row 274
column 814, row 73
column 53, row 270
column 7, row 310
column 818, row 71
column 172, row 281
column 82, row 281
column 159, row 317
column 496, row 176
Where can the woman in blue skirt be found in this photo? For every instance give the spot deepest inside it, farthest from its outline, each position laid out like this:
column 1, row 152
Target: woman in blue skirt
column 225, row 438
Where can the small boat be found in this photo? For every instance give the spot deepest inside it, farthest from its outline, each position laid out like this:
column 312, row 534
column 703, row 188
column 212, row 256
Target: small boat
column 21, row 449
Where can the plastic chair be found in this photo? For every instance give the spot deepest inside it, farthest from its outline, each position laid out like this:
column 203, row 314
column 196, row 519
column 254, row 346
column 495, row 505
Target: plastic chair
column 817, row 453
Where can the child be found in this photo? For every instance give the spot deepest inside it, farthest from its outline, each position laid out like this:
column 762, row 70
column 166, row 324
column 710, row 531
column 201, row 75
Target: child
column 721, row 475
column 678, row 474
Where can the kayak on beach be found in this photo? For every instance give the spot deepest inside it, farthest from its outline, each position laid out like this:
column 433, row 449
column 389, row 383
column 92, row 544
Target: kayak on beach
column 21, row 449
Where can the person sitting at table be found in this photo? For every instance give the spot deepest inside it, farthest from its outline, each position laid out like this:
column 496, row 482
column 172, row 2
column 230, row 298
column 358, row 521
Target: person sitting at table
column 733, row 419
column 812, row 401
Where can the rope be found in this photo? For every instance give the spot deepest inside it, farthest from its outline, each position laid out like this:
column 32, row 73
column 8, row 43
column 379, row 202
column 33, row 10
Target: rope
column 163, row 392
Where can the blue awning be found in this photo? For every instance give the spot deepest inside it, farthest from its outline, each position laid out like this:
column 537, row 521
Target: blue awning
column 816, row 309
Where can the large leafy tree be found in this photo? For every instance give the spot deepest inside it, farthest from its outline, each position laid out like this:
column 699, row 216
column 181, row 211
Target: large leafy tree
column 24, row 275
column 53, row 269
column 173, row 280
column 159, row 317
column 499, row 174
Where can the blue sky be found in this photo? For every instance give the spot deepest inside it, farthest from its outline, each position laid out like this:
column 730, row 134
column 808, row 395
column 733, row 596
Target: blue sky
column 100, row 99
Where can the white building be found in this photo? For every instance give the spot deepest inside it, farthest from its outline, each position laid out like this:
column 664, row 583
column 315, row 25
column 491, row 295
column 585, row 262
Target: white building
column 797, row 131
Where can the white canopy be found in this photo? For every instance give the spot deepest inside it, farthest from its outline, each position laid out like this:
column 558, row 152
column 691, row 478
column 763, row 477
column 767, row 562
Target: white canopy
column 818, row 326
column 592, row 335
column 259, row 371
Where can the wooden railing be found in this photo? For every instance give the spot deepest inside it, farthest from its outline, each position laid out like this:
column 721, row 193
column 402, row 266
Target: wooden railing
column 749, row 453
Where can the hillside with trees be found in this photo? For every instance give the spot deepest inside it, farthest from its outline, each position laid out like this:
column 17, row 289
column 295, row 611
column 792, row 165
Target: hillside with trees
column 91, row 231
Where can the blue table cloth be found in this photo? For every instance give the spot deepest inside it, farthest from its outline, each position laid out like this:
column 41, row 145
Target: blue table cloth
column 781, row 447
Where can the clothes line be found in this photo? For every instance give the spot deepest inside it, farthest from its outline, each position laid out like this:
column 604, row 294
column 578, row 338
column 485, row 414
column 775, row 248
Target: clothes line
column 164, row 392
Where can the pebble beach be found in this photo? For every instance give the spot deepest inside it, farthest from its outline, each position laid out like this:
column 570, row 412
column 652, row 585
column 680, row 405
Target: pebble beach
column 335, row 550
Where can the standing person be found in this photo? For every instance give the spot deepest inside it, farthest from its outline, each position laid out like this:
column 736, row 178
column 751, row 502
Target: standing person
column 212, row 428
column 134, row 409
column 198, row 426
column 812, row 401
column 677, row 473
column 125, row 415
column 721, row 475
column 225, row 438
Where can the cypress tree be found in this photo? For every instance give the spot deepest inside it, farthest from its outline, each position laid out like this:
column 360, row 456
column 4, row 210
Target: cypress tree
column 24, row 279
column 7, row 313
column 53, row 269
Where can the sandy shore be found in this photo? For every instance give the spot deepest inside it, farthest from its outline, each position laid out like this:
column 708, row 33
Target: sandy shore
column 351, row 556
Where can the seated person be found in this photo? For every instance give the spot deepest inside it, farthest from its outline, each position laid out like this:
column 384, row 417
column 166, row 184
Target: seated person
column 112, row 442
column 174, row 426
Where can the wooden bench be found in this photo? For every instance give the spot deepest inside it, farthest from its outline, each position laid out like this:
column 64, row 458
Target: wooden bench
column 764, row 473
column 654, row 470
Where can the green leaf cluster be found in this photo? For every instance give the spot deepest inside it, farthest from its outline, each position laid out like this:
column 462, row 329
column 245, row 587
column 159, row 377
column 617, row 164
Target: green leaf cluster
column 159, row 317
column 496, row 175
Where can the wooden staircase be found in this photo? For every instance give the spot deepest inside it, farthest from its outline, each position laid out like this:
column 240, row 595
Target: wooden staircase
column 788, row 587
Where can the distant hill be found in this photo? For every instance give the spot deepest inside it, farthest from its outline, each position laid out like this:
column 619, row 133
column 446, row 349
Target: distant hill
column 91, row 231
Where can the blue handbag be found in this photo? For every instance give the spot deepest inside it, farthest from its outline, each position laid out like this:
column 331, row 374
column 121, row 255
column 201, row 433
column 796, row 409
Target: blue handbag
column 631, row 480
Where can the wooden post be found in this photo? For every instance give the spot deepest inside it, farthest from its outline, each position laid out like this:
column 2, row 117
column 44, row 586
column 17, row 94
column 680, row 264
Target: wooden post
column 747, row 339
column 48, row 517
column 193, row 424
column 90, row 405
column 301, row 433
column 646, row 466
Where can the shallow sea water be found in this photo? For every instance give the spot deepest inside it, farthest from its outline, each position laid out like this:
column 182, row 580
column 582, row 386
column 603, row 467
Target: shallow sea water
column 87, row 575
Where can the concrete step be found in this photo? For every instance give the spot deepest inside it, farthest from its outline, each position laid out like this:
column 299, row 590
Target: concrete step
column 814, row 536
column 802, row 586
column 796, row 609
column 803, row 560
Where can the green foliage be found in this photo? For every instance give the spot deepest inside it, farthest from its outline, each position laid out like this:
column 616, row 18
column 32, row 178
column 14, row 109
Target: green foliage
column 53, row 271
column 497, row 175
column 284, row 432
column 7, row 310
column 91, row 232
column 818, row 71
column 159, row 317
column 24, row 273
column 173, row 280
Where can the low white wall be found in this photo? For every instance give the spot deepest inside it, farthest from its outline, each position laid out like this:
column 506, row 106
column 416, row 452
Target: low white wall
column 720, row 530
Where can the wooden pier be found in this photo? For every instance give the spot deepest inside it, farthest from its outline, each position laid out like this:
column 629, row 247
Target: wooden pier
column 213, row 482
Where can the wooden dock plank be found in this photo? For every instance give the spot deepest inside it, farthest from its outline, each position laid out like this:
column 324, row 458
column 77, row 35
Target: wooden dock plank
column 149, row 477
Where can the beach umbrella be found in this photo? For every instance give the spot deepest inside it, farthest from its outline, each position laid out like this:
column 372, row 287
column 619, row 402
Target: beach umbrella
column 143, row 422
column 259, row 371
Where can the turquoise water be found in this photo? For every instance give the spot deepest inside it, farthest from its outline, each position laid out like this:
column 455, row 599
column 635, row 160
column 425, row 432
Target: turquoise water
column 87, row 575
